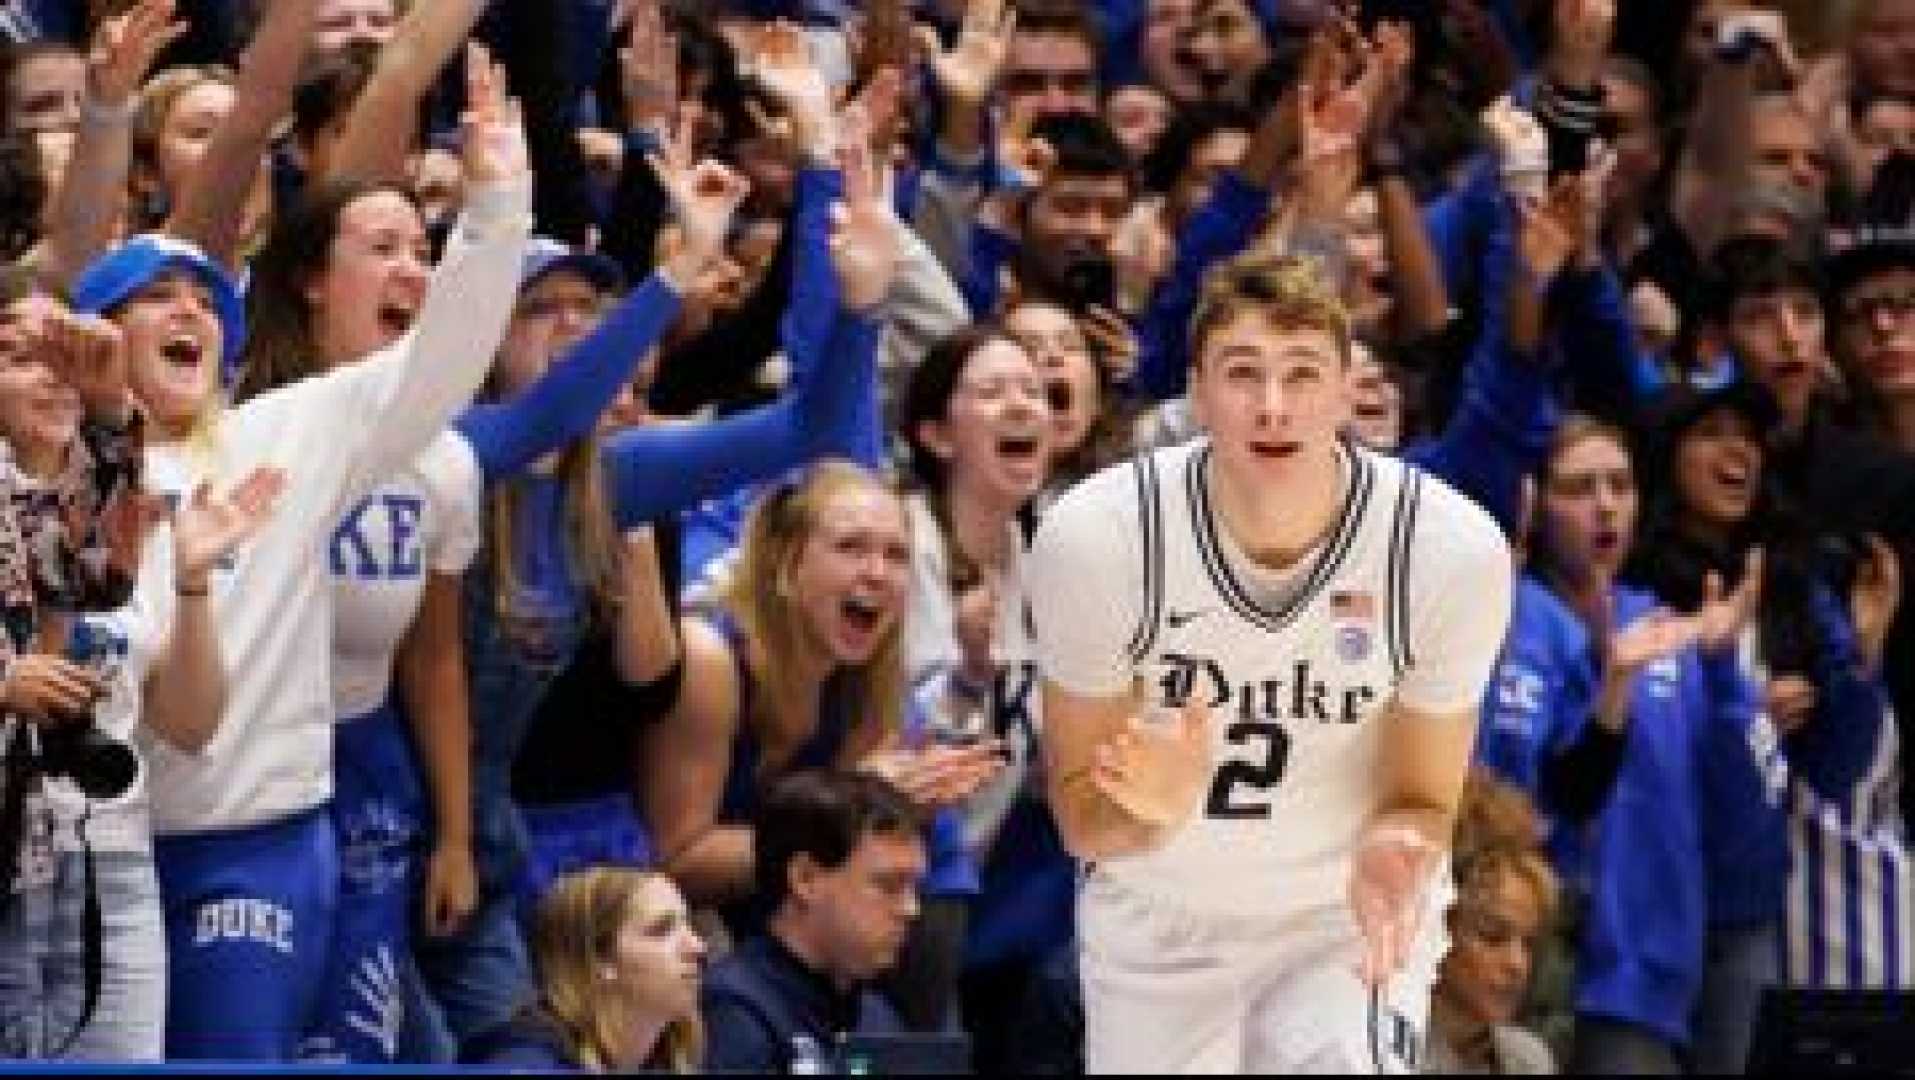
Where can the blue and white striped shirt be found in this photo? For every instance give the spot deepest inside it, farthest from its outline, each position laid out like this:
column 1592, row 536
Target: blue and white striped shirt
column 1850, row 920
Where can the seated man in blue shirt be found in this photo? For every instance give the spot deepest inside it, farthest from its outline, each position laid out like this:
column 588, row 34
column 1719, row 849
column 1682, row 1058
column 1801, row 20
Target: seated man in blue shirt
column 839, row 860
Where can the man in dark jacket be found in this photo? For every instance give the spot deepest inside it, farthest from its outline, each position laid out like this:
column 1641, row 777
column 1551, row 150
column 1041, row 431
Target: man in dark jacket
column 839, row 861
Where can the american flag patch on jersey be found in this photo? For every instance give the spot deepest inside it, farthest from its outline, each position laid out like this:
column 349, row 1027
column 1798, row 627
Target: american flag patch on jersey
column 1350, row 604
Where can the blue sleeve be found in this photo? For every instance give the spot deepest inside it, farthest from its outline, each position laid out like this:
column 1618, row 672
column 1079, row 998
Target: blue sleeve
column 659, row 470
column 1224, row 225
column 1507, row 411
column 565, row 403
column 1598, row 340
column 662, row 469
column 990, row 250
column 1459, row 222
column 1834, row 750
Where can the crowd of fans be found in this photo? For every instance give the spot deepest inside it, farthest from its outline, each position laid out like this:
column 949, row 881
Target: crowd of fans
column 516, row 513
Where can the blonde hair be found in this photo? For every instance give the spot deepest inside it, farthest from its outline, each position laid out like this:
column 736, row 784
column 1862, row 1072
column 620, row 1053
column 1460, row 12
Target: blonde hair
column 575, row 931
column 759, row 597
column 1498, row 832
column 157, row 99
column 593, row 553
column 1292, row 291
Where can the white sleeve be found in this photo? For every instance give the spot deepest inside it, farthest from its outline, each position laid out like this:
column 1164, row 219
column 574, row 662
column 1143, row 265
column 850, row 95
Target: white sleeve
column 1461, row 577
column 1085, row 579
column 401, row 398
column 458, row 498
column 930, row 624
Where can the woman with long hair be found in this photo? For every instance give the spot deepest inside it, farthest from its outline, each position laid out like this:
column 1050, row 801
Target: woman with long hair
column 552, row 564
column 1673, row 743
column 1711, row 504
column 799, row 665
column 244, row 824
column 981, row 434
column 619, row 971
column 96, row 652
column 399, row 556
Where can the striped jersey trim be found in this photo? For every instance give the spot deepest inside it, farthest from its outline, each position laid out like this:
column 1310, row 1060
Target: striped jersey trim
column 1210, row 545
column 1150, row 516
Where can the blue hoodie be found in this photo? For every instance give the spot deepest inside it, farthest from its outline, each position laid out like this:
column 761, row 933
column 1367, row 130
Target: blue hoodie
column 1641, row 955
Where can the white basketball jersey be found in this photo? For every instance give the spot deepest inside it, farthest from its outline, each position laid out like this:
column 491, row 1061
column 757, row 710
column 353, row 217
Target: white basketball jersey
column 1296, row 691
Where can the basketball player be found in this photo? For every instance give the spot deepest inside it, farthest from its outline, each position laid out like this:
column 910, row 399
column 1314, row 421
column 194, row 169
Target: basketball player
column 1263, row 656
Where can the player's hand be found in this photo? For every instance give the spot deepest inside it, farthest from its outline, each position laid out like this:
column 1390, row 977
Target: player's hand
column 1392, row 869
column 1155, row 772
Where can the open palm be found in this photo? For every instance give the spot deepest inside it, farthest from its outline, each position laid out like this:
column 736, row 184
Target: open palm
column 864, row 230
column 208, row 527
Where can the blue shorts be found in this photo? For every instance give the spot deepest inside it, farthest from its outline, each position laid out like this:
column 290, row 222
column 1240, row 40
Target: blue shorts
column 378, row 815
column 249, row 917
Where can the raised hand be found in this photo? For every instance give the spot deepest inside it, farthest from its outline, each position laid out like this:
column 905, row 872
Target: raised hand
column 208, row 527
column 1720, row 620
column 1522, row 149
column 648, row 64
column 781, row 63
column 1584, row 29
column 1158, row 773
column 704, row 198
column 1791, row 703
column 494, row 144
column 89, row 355
column 1113, row 341
column 124, row 48
column 1874, row 598
column 968, row 71
column 1386, row 79
column 1550, row 234
column 864, row 229
column 1389, row 875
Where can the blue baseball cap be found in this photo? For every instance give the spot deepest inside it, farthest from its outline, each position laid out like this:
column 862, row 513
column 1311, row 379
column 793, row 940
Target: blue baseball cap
column 113, row 279
column 545, row 256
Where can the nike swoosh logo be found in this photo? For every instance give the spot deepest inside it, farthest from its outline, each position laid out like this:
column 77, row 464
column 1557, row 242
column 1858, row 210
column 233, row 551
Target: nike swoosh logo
column 1177, row 620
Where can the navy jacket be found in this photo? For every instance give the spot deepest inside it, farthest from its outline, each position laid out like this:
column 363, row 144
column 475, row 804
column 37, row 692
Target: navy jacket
column 762, row 998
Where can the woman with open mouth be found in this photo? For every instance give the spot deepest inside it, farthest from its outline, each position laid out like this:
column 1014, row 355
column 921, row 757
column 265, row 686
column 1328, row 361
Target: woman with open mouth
column 1658, row 780
column 244, row 825
column 1816, row 656
column 982, row 434
column 96, row 649
column 800, row 665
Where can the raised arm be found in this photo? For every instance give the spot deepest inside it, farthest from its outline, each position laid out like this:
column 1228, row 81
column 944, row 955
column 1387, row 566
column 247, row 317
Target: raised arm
column 844, row 273
column 122, row 53
column 383, row 125
column 409, row 392
column 268, row 75
column 565, row 403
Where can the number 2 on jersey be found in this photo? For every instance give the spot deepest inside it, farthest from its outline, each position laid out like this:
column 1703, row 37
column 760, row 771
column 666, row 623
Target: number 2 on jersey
column 1225, row 802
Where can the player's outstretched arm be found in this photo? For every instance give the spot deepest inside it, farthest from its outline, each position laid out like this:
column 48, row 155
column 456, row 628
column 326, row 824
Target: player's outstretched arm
column 1121, row 784
column 1425, row 760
